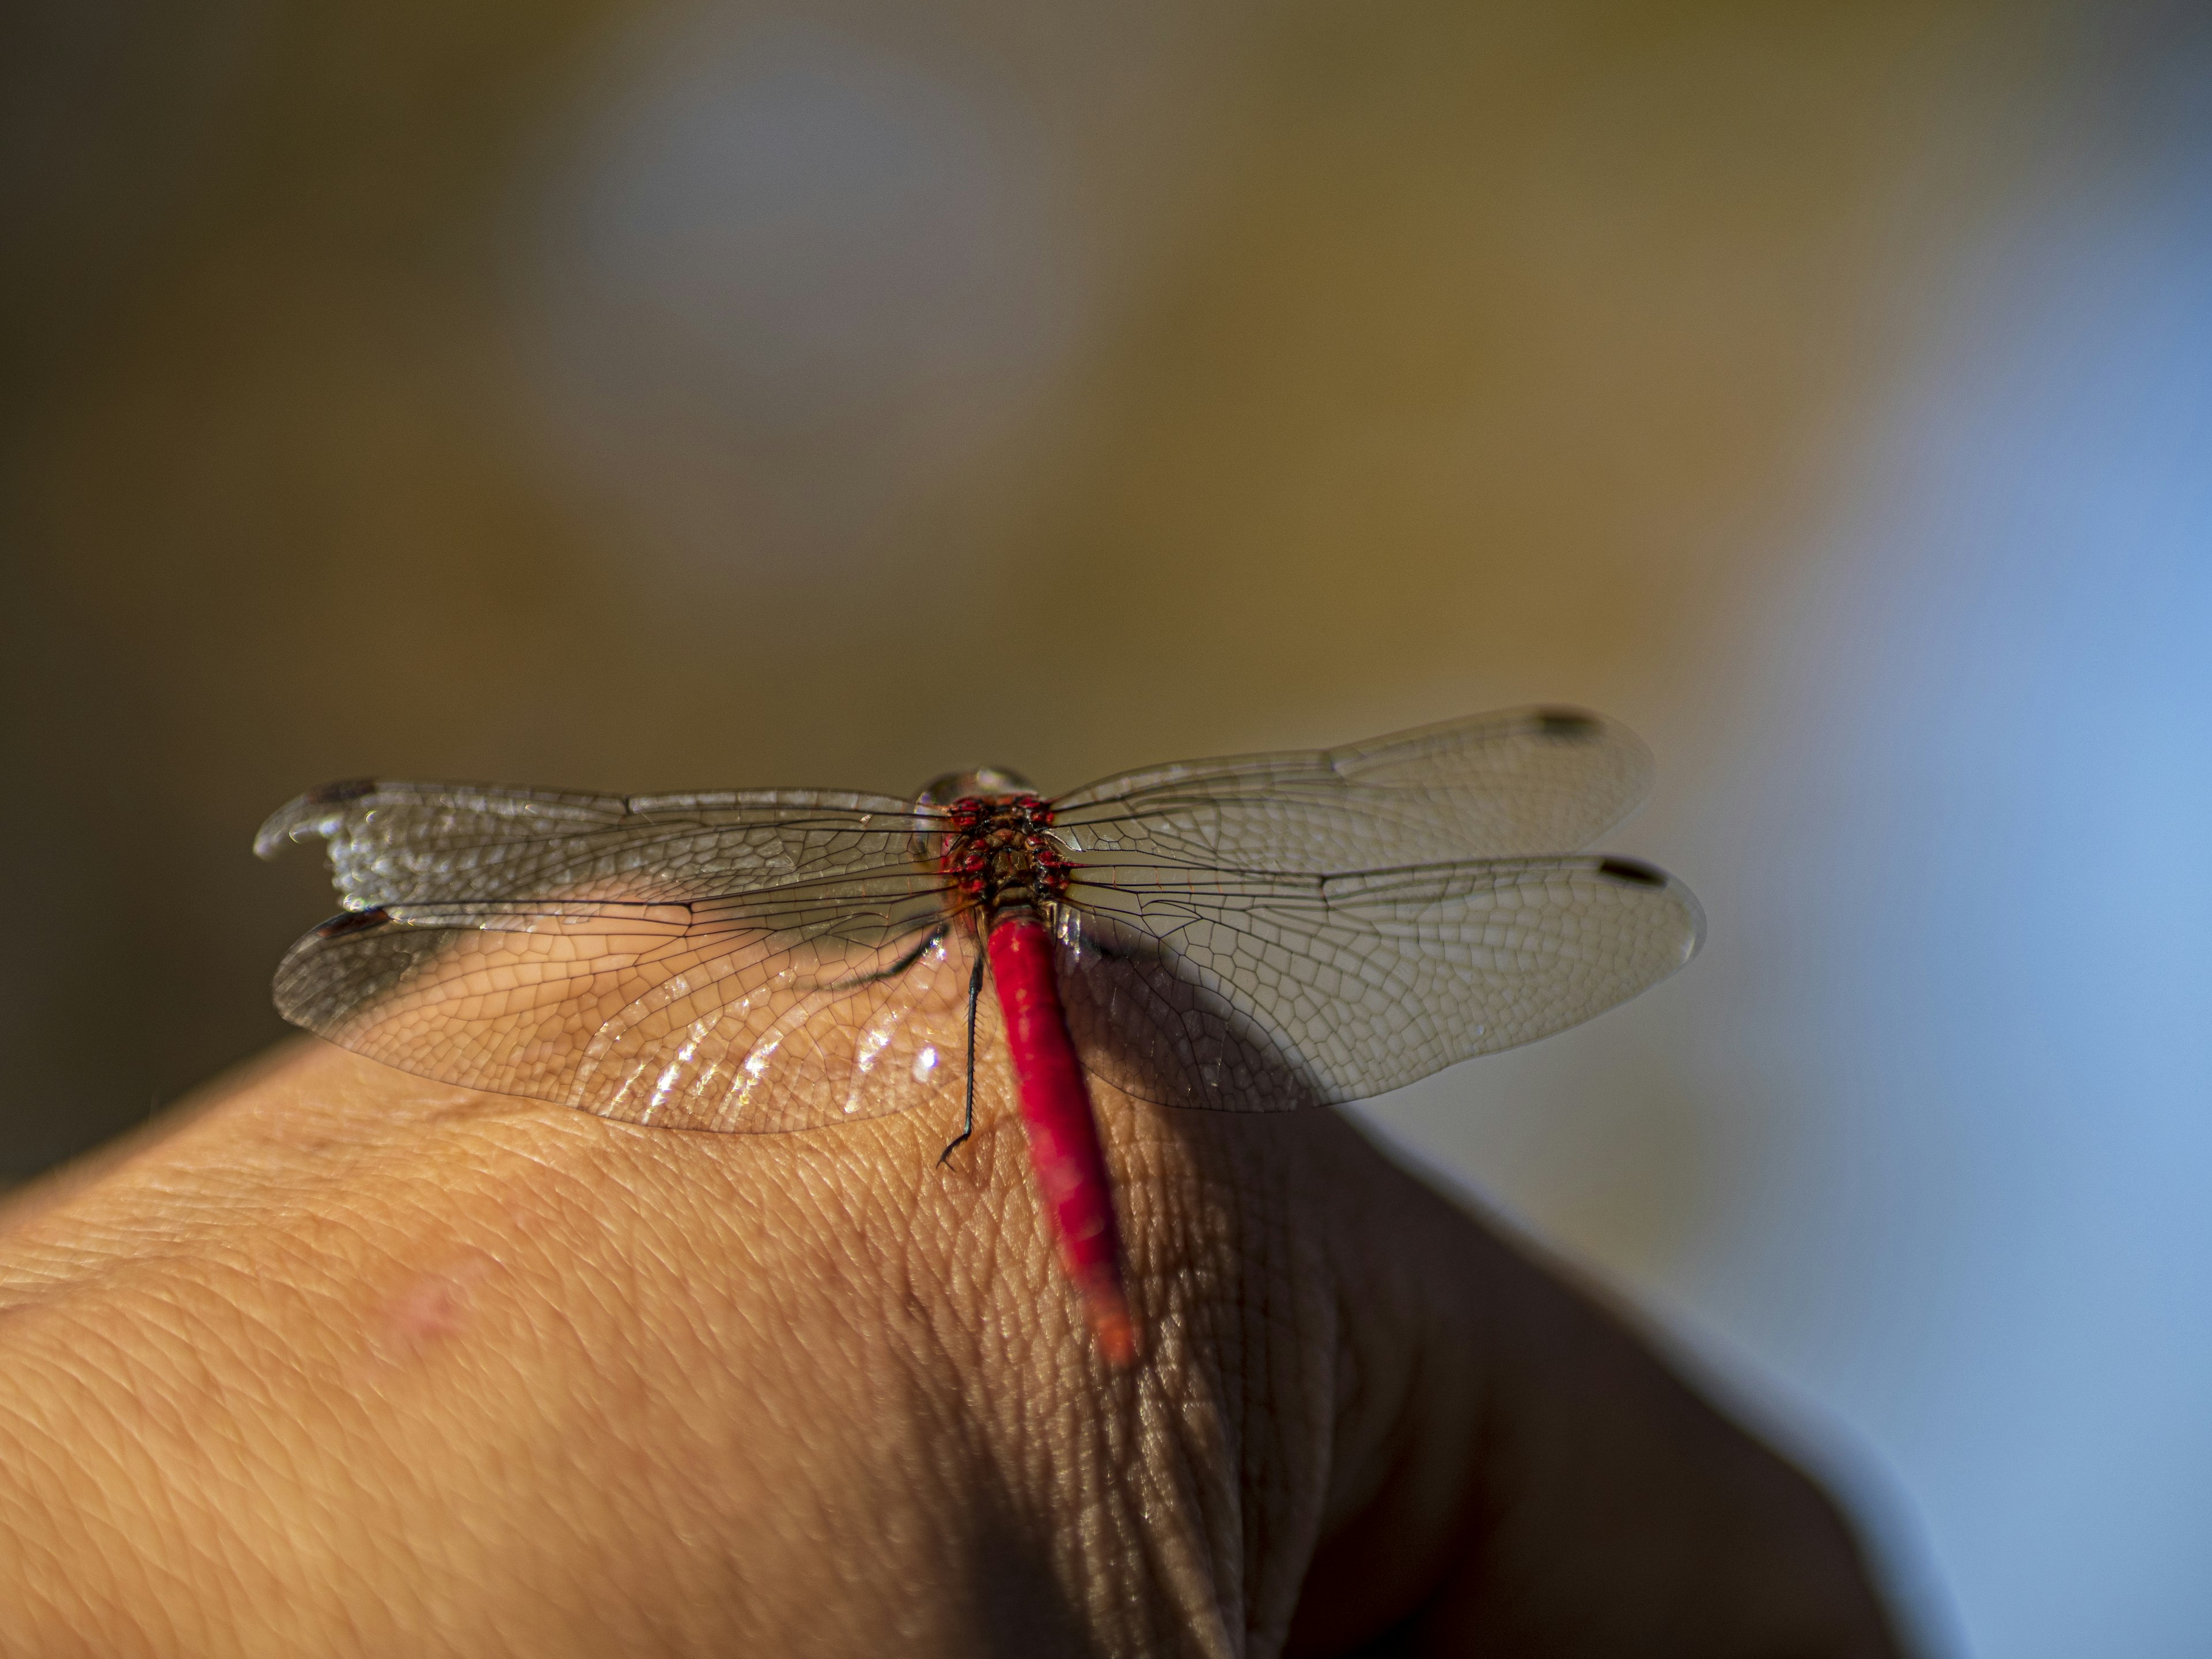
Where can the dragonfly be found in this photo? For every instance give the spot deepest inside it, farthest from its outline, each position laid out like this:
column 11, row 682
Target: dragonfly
column 1255, row 934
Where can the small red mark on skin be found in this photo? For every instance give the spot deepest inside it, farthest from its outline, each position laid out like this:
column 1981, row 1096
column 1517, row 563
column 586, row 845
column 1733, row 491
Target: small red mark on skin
column 434, row 1306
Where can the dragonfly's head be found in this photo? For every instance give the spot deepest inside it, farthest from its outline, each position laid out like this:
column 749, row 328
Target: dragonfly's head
column 985, row 782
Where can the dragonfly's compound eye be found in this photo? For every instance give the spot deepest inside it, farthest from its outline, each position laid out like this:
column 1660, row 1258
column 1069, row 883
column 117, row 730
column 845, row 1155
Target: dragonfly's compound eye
column 985, row 781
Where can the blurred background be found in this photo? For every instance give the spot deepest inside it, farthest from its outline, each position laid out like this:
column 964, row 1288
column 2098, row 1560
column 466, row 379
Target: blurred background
column 653, row 396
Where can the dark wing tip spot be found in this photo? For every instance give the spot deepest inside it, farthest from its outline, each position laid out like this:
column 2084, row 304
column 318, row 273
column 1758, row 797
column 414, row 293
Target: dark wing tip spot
column 353, row 921
column 1567, row 725
column 1635, row 874
column 331, row 793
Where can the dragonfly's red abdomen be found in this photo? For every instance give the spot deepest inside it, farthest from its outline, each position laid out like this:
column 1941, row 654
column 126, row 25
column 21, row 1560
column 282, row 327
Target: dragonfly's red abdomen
column 1063, row 1134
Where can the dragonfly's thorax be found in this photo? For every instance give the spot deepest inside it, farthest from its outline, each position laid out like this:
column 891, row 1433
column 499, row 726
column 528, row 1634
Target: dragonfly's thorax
column 1001, row 854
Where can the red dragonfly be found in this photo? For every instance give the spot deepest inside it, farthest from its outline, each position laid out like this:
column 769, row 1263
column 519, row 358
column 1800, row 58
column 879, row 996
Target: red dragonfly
column 1249, row 934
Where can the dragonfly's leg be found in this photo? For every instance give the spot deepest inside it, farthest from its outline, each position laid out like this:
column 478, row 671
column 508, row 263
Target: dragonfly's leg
column 975, row 994
column 897, row 968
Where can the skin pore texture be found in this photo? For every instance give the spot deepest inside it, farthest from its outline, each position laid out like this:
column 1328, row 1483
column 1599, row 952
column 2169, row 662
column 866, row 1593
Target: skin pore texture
column 347, row 1361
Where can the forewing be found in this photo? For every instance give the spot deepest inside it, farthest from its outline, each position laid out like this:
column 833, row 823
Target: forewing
column 700, row 1016
column 764, row 960
column 1247, row 991
column 408, row 843
column 1524, row 782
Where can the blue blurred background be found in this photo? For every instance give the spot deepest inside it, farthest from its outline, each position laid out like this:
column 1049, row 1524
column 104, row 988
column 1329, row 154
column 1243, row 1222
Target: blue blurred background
column 667, row 395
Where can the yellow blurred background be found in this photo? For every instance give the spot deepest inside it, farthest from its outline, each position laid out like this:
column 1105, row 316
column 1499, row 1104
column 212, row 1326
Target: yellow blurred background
column 669, row 395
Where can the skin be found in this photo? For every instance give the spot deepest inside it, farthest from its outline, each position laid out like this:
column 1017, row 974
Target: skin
column 349, row 1362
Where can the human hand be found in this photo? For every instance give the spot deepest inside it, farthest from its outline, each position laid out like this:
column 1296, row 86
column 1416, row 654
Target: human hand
column 353, row 1362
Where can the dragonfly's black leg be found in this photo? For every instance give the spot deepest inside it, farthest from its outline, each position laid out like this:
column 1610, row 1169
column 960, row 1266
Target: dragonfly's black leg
column 974, row 995
column 897, row 968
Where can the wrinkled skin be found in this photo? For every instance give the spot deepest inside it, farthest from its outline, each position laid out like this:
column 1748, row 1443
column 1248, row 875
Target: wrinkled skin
column 349, row 1362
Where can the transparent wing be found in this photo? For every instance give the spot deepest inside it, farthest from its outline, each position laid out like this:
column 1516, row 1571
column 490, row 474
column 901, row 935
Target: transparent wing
column 1524, row 782
column 1249, row 990
column 405, row 844
column 777, row 959
column 756, row 961
column 781, row 1012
